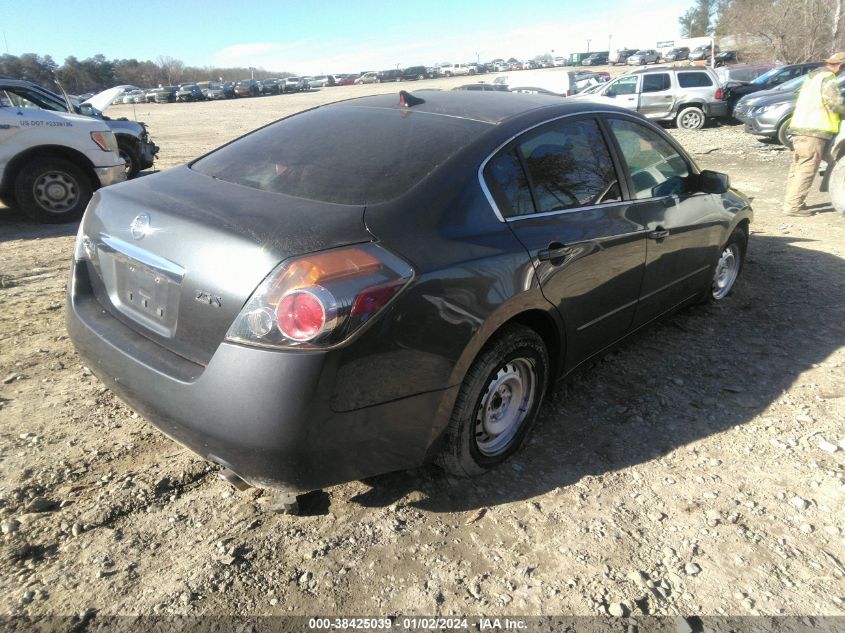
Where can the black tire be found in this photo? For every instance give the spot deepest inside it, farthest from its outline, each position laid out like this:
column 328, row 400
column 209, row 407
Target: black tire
column 690, row 118
column 463, row 453
column 784, row 137
column 738, row 242
column 38, row 205
column 129, row 154
column 836, row 185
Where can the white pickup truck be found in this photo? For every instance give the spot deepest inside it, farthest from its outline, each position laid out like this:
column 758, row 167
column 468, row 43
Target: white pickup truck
column 453, row 70
column 51, row 162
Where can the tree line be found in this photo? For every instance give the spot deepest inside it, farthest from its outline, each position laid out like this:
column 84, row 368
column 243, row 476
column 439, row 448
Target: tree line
column 788, row 31
column 98, row 73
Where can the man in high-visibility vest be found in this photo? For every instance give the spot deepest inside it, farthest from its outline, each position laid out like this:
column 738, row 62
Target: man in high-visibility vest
column 814, row 123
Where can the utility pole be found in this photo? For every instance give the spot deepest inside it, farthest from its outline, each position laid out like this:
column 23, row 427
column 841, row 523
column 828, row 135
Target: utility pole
column 609, row 37
column 588, row 45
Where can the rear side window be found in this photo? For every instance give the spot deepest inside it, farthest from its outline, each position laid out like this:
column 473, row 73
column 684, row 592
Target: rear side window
column 656, row 83
column 343, row 154
column 694, row 80
column 655, row 167
column 569, row 166
column 507, row 182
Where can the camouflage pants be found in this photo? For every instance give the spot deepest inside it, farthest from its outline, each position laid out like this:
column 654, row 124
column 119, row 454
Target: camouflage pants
column 807, row 153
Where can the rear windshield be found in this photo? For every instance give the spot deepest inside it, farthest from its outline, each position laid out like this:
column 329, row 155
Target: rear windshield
column 346, row 155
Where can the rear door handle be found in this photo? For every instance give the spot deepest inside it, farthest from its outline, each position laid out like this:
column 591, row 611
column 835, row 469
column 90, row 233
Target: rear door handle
column 555, row 251
column 658, row 234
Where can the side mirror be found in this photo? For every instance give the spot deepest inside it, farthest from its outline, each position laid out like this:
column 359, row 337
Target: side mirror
column 713, row 182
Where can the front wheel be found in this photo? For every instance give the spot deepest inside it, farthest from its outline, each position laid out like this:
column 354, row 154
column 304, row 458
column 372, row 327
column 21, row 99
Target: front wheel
column 130, row 157
column 498, row 402
column 784, row 137
column 729, row 266
column 836, row 186
column 690, row 118
column 52, row 190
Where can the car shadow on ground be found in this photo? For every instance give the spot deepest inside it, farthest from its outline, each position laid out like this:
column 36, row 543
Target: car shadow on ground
column 694, row 374
column 15, row 226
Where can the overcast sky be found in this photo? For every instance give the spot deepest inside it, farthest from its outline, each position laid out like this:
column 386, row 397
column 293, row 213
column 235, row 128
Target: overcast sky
column 331, row 36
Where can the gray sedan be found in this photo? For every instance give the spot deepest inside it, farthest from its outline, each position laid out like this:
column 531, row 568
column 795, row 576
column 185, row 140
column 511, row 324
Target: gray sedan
column 641, row 58
column 289, row 313
column 768, row 114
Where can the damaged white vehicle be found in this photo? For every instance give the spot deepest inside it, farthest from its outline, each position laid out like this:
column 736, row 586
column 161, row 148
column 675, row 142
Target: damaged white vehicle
column 136, row 148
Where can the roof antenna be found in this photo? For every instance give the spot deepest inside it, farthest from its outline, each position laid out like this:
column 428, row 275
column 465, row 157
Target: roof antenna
column 407, row 100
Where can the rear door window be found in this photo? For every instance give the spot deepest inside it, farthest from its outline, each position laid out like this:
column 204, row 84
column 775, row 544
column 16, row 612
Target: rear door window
column 657, row 82
column 654, row 165
column 569, row 166
column 694, row 80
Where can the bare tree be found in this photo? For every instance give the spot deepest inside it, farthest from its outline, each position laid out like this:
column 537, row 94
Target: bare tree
column 838, row 25
column 172, row 69
column 789, row 31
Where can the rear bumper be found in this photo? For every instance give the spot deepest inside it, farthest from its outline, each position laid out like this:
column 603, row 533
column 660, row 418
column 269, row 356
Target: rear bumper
column 717, row 109
column 110, row 175
column 265, row 414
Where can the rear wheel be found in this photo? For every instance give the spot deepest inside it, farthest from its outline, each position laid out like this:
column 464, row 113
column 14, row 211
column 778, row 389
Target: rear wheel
column 498, row 402
column 52, row 190
column 690, row 118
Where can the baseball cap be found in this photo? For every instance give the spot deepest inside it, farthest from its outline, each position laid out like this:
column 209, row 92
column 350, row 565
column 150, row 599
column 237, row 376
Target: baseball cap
column 836, row 58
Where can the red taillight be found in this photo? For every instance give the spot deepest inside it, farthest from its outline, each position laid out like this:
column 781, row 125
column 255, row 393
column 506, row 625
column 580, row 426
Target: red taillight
column 719, row 93
column 371, row 300
column 300, row 315
column 321, row 299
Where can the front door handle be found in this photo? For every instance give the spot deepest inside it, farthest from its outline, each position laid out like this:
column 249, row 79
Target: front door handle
column 555, row 250
column 658, row 234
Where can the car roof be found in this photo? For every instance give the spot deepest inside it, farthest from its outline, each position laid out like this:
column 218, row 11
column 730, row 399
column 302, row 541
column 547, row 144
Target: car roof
column 663, row 69
column 492, row 107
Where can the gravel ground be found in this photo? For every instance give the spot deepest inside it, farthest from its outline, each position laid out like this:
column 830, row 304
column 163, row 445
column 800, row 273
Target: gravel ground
column 698, row 469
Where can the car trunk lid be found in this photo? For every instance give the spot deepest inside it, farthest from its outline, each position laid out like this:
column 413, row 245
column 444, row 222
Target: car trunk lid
column 176, row 255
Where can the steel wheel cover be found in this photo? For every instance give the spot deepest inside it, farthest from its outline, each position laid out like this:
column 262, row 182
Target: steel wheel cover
column 690, row 119
column 506, row 402
column 727, row 270
column 56, row 191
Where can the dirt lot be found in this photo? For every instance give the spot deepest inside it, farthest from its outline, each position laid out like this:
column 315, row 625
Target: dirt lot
column 698, row 469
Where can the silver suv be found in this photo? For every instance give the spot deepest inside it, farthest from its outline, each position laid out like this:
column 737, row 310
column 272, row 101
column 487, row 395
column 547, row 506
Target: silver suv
column 688, row 96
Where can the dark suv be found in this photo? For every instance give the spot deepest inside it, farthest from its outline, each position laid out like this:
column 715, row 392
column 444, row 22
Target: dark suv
column 270, row 87
column 391, row 75
column 415, row 72
column 676, row 54
column 190, row 92
column 166, row 95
